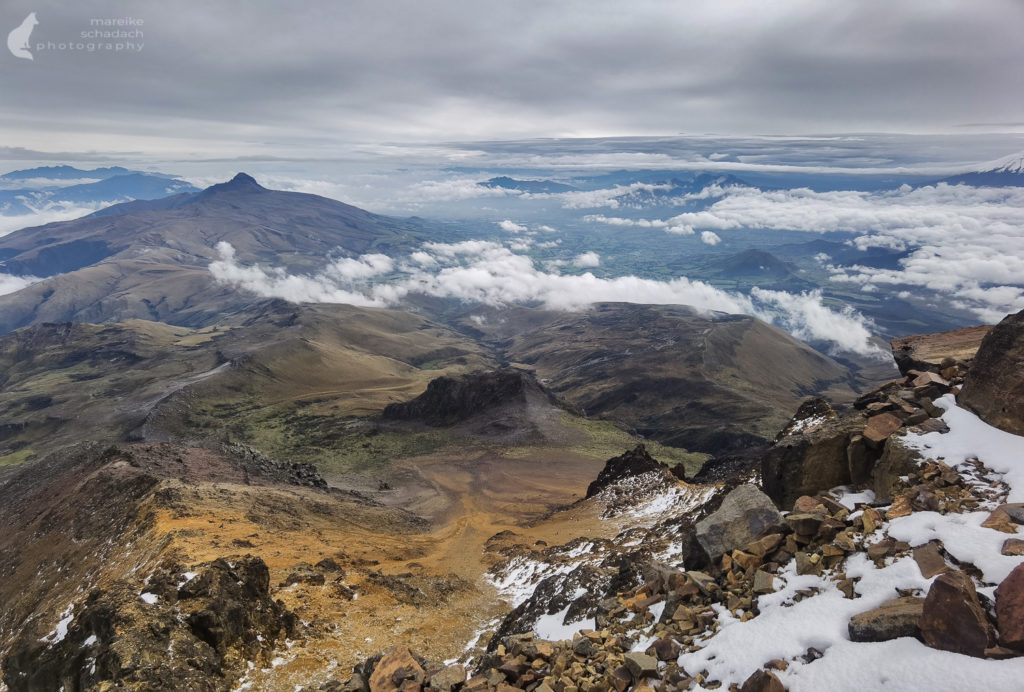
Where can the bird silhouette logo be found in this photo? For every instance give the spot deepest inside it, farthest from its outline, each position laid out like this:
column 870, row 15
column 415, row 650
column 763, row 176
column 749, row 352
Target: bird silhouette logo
column 17, row 40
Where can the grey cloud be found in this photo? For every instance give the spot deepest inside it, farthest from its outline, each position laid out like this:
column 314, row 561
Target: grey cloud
column 249, row 79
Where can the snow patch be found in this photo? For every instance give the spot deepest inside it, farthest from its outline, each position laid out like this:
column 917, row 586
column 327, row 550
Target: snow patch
column 551, row 627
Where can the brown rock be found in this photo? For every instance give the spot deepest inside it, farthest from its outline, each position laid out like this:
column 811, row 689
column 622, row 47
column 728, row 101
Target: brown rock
column 895, row 618
column 1013, row 547
column 448, row 678
column 929, row 560
column 807, row 564
column 882, row 549
column 804, row 524
column 762, row 681
column 953, row 619
column 872, row 519
column 1000, row 653
column 994, row 386
column 641, row 666
column 930, row 378
column 1001, row 520
column 900, row 507
column 664, row 649
column 880, row 427
column 620, row 679
column 745, row 560
column 844, row 541
column 395, row 667
column 763, row 582
column 1010, row 609
column 806, row 504
column 928, row 351
column 846, row 586
column 764, row 545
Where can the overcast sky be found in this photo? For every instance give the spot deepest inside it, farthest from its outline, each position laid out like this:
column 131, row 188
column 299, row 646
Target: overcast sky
column 245, row 78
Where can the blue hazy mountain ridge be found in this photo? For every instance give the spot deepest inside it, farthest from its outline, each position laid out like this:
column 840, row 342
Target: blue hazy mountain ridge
column 508, row 183
column 66, row 173
column 131, row 185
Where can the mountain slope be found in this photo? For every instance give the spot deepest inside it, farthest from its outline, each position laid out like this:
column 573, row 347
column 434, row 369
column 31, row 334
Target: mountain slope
column 148, row 260
column 708, row 383
column 280, row 375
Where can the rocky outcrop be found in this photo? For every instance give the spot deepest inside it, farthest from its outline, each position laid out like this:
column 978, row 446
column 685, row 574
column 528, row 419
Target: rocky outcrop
column 745, row 515
column 994, row 386
column 632, row 463
column 937, row 351
column 213, row 621
column 451, row 400
column 810, row 453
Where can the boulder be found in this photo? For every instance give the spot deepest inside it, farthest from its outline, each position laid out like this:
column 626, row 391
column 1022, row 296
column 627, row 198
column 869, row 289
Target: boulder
column 396, row 666
column 745, row 515
column 1010, row 609
column 808, row 460
column 896, row 618
column 762, row 681
column 953, row 619
column 994, row 386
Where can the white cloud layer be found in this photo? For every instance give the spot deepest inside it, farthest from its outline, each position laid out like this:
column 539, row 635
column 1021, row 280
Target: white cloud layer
column 10, row 283
column 48, row 212
column 491, row 273
column 965, row 243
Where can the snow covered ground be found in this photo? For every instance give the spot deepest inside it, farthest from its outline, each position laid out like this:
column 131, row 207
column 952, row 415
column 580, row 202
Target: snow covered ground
column 786, row 628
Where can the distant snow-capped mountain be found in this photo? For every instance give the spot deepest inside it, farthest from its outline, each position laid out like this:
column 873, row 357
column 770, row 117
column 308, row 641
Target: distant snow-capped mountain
column 1005, row 172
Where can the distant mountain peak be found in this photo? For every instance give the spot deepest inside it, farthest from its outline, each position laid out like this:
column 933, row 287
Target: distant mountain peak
column 242, row 182
column 243, row 179
column 1014, row 163
column 1005, row 172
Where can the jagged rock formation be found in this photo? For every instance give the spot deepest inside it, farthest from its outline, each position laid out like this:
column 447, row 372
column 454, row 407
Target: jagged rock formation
column 508, row 406
column 821, row 449
column 186, row 630
column 811, row 453
column 452, row 400
column 632, row 463
column 929, row 351
column 994, row 387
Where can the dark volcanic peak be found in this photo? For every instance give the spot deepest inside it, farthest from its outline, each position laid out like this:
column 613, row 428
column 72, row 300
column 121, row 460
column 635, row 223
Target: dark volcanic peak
column 754, row 261
column 242, row 182
column 452, row 400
